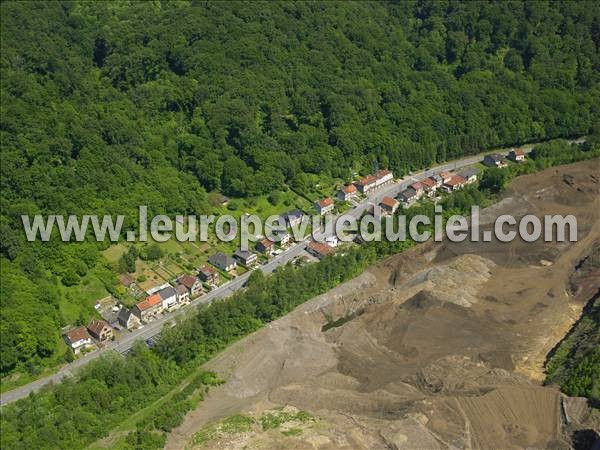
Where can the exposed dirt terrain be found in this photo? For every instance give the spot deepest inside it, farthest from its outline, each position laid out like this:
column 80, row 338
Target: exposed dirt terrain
column 443, row 345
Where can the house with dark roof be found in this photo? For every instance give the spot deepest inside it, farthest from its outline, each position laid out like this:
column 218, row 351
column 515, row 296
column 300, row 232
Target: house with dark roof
column 168, row 297
column 222, row 261
column 100, row 330
column 407, row 197
column 246, row 258
column 495, row 160
column 128, row 320
column 78, row 339
column 208, row 275
column 470, row 175
column 324, row 206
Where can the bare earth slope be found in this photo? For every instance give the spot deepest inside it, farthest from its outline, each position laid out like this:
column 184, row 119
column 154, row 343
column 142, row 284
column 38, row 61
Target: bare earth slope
column 445, row 347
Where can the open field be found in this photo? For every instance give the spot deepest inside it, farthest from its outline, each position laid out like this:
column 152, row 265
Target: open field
column 441, row 346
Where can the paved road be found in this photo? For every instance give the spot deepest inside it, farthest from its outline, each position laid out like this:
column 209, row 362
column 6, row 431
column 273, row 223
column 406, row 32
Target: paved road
column 153, row 329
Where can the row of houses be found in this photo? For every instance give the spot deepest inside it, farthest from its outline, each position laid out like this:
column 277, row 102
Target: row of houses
column 375, row 181
column 429, row 186
column 497, row 160
column 80, row 338
column 351, row 191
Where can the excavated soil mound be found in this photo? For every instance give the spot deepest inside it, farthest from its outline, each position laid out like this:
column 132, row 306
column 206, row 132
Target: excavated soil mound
column 440, row 347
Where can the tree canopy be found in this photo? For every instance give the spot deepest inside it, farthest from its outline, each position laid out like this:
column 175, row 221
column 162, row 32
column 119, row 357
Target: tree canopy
column 109, row 105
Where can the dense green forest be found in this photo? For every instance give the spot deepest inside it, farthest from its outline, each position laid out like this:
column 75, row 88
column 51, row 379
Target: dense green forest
column 108, row 105
column 78, row 412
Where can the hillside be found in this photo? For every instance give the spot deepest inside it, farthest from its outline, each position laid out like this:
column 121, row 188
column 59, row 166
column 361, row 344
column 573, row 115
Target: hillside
column 106, row 106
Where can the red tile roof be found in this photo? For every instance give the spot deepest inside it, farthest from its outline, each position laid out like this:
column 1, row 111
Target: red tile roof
column 369, row 179
column 325, row 202
column 417, row 186
column 321, row 248
column 349, row 189
column 77, row 334
column 456, row 180
column 266, row 243
column 445, row 175
column 96, row 326
column 188, row 281
column 389, row 202
column 150, row 302
column 519, row 152
column 428, row 182
column 382, row 173
column 208, row 269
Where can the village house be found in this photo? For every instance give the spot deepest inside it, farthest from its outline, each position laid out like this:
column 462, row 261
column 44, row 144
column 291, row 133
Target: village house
column 293, row 218
column 324, row 206
column 438, row 180
column 78, row 339
column 454, row 183
column 193, row 285
column 319, row 249
column 284, row 238
column 377, row 180
column 168, row 297
column 429, row 186
column 128, row 320
column 383, row 177
column 182, row 293
column 366, row 184
column 208, row 275
column 246, row 258
column 517, row 155
column 222, row 261
column 470, row 175
column 155, row 289
column 418, row 187
column 347, row 192
column 495, row 160
column 265, row 246
column 445, row 176
column 148, row 308
column 100, row 330
column 389, row 205
column 408, row 197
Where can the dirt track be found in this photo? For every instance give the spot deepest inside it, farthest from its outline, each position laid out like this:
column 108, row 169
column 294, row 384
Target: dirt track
column 446, row 348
